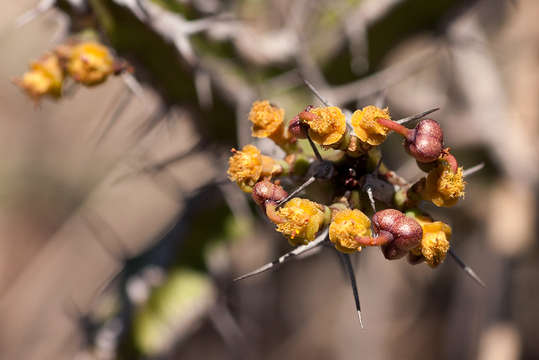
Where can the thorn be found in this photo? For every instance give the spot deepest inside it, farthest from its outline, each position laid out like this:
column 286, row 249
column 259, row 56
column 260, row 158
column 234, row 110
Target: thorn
column 288, row 256
column 316, row 93
column 297, row 191
column 136, row 88
column 473, row 169
column 416, row 116
column 315, row 149
column 345, row 258
column 360, row 321
column 380, row 99
column 371, row 198
column 466, row 268
column 33, row 13
column 121, row 105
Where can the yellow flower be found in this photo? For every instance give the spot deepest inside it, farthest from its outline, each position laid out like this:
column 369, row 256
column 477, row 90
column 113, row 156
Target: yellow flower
column 90, row 63
column 301, row 220
column 346, row 227
column 245, row 167
column 267, row 119
column 444, row 187
column 248, row 166
column 44, row 78
column 367, row 128
column 328, row 126
column 435, row 242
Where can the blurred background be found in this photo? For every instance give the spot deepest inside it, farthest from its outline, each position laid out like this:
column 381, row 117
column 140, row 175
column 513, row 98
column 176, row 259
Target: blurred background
column 120, row 235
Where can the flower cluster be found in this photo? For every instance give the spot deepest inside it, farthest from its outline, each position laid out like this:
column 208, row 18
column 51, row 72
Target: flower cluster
column 359, row 183
column 87, row 63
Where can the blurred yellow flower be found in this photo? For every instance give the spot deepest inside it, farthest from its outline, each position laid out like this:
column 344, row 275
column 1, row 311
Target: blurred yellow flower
column 44, row 78
column 328, row 126
column 90, row 63
column 301, row 220
column 367, row 128
column 443, row 186
column 267, row 119
column 346, row 227
column 435, row 242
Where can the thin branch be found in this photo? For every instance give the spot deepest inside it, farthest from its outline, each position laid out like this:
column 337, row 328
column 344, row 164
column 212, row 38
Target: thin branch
column 288, row 256
column 162, row 164
column 382, row 79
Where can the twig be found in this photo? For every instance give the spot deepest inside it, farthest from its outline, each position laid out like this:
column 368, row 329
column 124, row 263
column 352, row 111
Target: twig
column 382, row 79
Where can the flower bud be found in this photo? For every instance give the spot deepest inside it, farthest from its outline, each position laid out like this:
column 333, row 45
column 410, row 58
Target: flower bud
column 346, row 228
column 405, row 231
column 297, row 128
column 392, row 252
column 327, row 125
column 267, row 191
column 425, row 143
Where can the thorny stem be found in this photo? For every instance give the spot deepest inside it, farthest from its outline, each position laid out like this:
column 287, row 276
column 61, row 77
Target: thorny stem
column 345, row 258
column 468, row 270
column 398, row 128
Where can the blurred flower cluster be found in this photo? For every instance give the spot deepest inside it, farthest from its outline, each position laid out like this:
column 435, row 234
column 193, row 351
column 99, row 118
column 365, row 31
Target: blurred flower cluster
column 88, row 63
